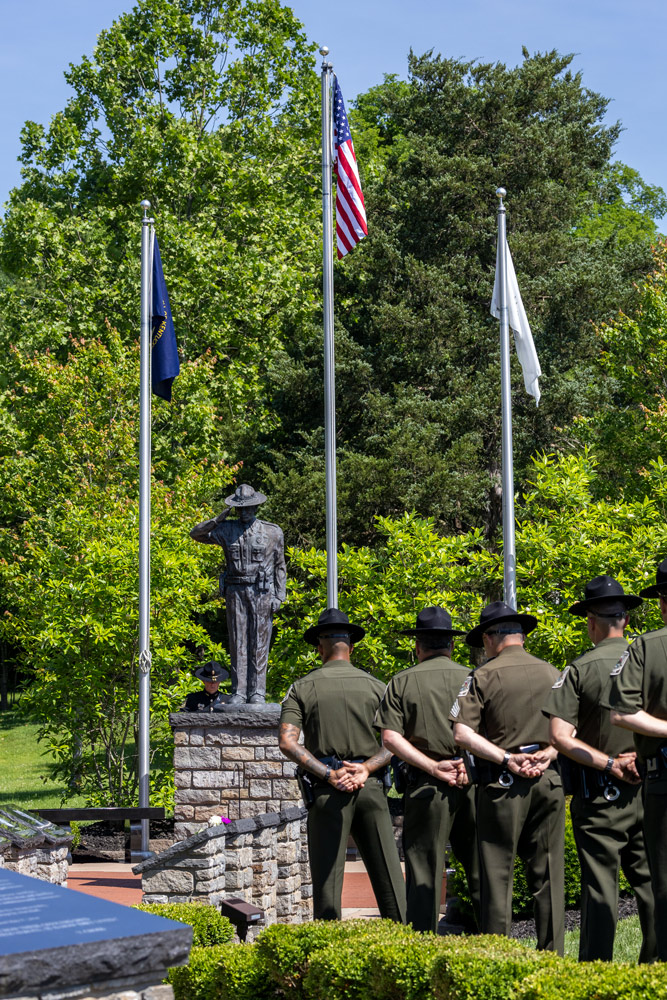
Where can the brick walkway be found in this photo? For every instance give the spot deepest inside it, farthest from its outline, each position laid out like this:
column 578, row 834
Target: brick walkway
column 116, row 883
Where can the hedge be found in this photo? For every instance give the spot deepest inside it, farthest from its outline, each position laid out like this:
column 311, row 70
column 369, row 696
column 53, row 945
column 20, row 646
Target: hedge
column 209, row 927
column 223, row 972
column 488, row 968
column 522, row 901
column 597, row 981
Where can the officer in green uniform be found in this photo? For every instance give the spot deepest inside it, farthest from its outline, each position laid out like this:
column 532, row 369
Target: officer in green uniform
column 439, row 801
column 638, row 702
column 334, row 706
column 520, row 804
column 606, row 807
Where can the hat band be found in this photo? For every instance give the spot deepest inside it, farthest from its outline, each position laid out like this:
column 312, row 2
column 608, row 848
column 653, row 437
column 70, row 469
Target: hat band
column 510, row 629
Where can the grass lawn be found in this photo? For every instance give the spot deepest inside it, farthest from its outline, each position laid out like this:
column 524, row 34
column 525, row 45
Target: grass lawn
column 627, row 942
column 25, row 775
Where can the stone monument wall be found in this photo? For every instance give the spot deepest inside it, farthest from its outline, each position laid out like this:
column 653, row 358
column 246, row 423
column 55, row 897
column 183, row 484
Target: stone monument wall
column 50, row 863
column 261, row 859
column 227, row 763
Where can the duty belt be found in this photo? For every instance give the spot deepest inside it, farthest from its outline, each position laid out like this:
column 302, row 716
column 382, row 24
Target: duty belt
column 654, row 767
column 587, row 782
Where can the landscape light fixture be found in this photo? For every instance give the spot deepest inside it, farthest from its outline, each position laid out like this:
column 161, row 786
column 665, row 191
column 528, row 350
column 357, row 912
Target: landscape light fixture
column 243, row 915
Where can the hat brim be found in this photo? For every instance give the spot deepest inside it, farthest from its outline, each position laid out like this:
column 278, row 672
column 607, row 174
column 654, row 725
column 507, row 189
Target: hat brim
column 474, row 636
column 254, row 501
column 221, row 675
column 654, row 591
column 416, row 632
column 312, row 635
column 582, row 608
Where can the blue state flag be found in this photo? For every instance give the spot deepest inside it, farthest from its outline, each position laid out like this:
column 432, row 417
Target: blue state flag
column 164, row 352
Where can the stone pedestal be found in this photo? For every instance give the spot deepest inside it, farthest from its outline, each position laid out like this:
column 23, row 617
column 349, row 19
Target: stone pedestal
column 228, row 763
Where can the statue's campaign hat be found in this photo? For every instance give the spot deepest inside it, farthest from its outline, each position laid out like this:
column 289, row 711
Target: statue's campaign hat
column 432, row 621
column 333, row 620
column 211, row 671
column 495, row 614
column 606, row 595
column 660, row 585
column 245, row 496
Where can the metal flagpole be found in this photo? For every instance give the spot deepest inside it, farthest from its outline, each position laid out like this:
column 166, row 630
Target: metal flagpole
column 329, row 363
column 509, row 545
column 145, row 519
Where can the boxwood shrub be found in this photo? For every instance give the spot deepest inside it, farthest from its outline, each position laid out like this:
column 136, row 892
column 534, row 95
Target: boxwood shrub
column 488, row 968
column 222, row 972
column 597, row 981
column 209, row 927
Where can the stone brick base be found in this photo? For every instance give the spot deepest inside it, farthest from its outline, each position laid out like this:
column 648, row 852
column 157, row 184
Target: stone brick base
column 262, row 859
column 228, row 763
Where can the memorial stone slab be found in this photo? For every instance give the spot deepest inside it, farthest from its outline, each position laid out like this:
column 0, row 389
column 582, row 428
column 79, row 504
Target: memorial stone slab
column 53, row 938
column 19, row 826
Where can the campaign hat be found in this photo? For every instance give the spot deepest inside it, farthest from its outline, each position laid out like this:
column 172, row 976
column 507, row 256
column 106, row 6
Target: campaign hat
column 211, row 671
column 245, row 496
column 431, row 621
column 606, row 595
column 333, row 620
column 495, row 614
column 660, row 585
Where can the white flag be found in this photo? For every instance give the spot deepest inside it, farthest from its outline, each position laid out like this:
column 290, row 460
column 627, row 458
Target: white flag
column 518, row 321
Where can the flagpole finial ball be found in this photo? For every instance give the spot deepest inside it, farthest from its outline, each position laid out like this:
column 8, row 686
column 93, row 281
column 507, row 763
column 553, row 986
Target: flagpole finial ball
column 145, row 204
column 501, row 192
column 324, row 51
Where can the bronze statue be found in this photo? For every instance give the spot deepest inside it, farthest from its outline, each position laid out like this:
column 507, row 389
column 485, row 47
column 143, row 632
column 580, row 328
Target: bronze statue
column 253, row 586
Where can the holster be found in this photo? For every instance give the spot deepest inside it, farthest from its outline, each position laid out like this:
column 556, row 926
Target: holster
column 306, row 782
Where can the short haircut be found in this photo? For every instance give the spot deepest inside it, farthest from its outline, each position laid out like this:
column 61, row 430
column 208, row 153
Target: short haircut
column 431, row 642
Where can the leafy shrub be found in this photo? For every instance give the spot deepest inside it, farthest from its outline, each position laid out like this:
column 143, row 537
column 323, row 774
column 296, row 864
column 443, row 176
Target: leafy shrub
column 402, row 971
column 223, row 972
column 343, row 970
column 209, row 927
column 596, row 981
column 487, row 968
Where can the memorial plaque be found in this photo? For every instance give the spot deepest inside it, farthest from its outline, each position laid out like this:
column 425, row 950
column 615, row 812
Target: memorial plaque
column 51, row 936
column 26, row 830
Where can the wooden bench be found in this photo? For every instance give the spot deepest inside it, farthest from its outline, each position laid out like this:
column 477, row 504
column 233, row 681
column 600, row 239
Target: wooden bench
column 112, row 814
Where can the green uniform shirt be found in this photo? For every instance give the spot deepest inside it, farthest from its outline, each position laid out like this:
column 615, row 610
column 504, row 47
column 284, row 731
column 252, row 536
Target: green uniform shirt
column 417, row 702
column 575, row 697
column 503, row 699
column 639, row 681
column 335, row 706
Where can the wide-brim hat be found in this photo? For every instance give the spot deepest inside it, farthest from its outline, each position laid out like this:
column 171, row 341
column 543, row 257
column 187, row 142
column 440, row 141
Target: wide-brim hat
column 245, row 496
column 495, row 614
column 606, row 595
column 336, row 620
column 432, row 621
column 660, row 585
column 211, row 671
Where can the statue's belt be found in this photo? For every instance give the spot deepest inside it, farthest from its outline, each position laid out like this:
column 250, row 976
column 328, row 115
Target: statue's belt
column 242, row 579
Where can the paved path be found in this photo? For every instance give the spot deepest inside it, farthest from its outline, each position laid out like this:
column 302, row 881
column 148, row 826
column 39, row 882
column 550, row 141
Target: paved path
column 116, row 883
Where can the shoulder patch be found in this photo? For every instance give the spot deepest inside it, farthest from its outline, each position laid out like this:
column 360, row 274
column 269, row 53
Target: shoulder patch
column 561, row 680
column 456, row 708
column 621, row 663
column 465, row 687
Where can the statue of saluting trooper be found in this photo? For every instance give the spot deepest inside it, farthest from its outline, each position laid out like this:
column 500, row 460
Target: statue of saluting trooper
column 253, row 586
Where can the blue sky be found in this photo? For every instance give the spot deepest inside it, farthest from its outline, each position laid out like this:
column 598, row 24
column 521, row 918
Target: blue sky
column 619, row 47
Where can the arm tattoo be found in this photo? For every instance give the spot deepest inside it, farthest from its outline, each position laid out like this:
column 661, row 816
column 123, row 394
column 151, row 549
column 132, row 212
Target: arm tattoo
column 378, row 760
column 289, row 744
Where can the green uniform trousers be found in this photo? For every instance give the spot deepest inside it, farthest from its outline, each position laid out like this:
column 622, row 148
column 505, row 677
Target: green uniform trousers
column 655, row 835
column 609, row 836
column 434, row 814
column 364, row 814
column 527, row 819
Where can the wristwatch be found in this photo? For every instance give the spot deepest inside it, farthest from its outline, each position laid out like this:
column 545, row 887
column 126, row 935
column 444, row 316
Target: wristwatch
column 506, row 758
column 610, row 764
column 327, row 774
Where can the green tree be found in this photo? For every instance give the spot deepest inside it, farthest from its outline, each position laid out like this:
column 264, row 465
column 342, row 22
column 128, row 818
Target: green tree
column 209, row 109
column 418, row 417
column 565, row 537
column 68, row 557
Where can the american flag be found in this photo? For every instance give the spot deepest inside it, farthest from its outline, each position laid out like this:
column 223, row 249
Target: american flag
column 350, row 208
